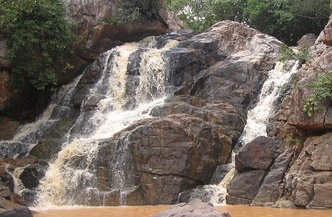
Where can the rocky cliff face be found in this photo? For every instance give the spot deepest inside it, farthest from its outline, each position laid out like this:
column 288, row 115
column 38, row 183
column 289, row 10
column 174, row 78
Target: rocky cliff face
column 217, row 76
column 297, row 171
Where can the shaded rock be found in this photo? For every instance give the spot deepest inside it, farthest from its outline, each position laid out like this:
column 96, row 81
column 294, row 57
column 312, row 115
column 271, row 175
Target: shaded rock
column 195, row 208
column 28, row 167
column 50, row 143
column 232, row 200
column 270, row 187
column 220, row 172
column 8, row 127
column 6, row 182
column 257, row 154
column 10, row 209
column 245, row 185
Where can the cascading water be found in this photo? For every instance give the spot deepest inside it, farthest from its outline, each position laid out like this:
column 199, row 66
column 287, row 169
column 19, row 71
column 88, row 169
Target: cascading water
column 123, row 97
column 28, row 135
column 257, row 118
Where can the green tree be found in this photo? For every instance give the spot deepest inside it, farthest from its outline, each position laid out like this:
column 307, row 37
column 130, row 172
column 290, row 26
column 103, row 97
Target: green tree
column 39, row 39
column 133, row 10
column 288, row 20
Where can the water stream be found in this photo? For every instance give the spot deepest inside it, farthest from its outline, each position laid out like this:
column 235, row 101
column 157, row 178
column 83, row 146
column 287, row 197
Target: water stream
column 257, row 119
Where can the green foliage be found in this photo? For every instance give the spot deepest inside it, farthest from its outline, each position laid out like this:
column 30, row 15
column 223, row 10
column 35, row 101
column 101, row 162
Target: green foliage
column 295, row 140
column 288, row 20
column 38, row 39
column 321, row 88
column 200, row 15
column 134, row 10
column 287, row 53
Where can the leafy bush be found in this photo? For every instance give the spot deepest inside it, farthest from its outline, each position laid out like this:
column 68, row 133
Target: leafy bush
column 133, row 10
column 287, row 53
column 321, row 88
column 39, row 39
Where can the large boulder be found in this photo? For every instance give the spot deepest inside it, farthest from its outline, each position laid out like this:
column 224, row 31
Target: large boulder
column 257, row 154
column 167, row 156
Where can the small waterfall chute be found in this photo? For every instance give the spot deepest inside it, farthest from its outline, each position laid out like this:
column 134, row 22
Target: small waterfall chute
column 257, row 119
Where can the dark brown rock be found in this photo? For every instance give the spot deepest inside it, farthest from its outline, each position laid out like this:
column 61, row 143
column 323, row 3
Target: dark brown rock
column 8, row 127
column 171, row 152
column 245, row 185
column 311, row 173
column 269, row 190
column 232, row 200
column 257, row 154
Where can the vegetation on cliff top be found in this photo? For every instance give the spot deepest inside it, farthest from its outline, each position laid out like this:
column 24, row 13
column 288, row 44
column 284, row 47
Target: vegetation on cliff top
column 39, row 39
column 287, row 20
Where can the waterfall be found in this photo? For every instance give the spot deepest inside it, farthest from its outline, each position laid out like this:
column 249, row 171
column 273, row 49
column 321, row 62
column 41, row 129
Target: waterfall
column 257, row 119
column 126, row 92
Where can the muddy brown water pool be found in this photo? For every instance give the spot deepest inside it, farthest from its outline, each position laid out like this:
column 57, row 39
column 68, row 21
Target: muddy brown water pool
column 148, row 211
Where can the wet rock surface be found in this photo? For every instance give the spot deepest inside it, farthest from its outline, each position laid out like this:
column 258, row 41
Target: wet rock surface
column 195, row 130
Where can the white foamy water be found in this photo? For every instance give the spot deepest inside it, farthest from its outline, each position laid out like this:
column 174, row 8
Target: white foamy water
column 258, row 117
column 122, row 99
